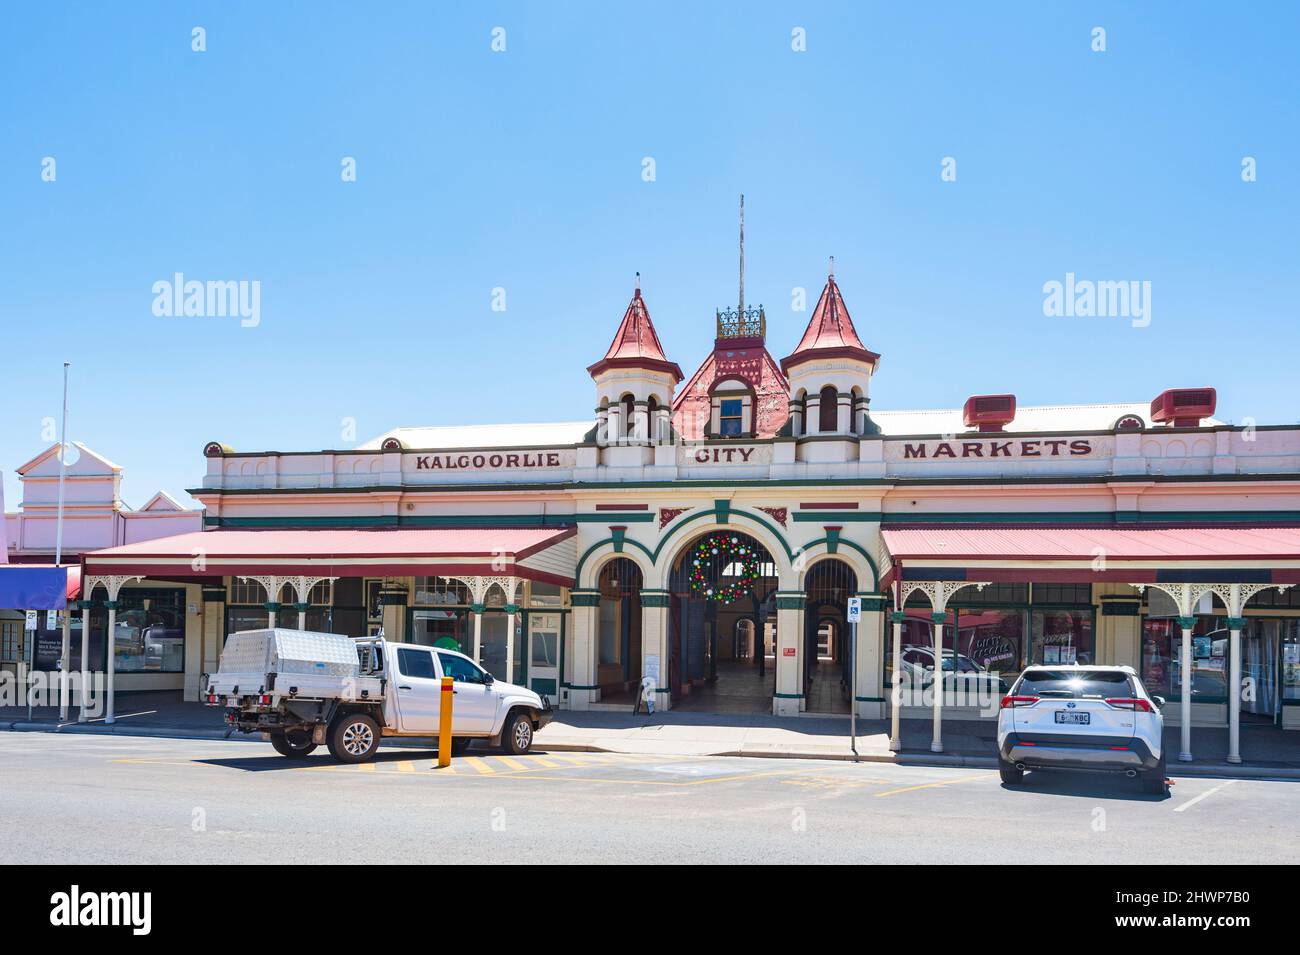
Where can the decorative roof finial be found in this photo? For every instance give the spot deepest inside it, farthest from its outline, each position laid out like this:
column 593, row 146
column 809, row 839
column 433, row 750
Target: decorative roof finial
column 832, row 272
column 638, row 285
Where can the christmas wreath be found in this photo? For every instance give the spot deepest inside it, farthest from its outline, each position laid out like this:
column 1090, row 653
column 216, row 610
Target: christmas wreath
column 719, row 552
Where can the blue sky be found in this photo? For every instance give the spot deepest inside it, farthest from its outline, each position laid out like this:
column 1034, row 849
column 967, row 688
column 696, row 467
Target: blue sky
column 523, row 170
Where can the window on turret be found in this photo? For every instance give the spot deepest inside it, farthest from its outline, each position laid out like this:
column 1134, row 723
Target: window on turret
column 828, row 410
column 731, row 418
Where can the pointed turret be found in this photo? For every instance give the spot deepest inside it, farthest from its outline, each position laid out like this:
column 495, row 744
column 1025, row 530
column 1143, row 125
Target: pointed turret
column 635, row 381
column 635, row 344
column 830, row 371
column 830, row 333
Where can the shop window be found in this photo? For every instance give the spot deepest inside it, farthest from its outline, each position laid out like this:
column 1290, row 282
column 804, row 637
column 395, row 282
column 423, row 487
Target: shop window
column 243, row 591
column 1063, row 637
column 322, row 594
column 11, row 641
column 1290, row 639
column 828, row 411
column 731, row 418
column 440, row 592
column 150, row 632
column 246, row 618
column 544, row 640
column 429, row 627
column 1162, row 654
column 990, row 642
column 992, row 594
column 542, row 594
column 1063, row 594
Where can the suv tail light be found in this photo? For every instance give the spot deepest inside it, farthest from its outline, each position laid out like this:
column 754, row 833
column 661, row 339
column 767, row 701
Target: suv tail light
column 1126, row 703
column 1010, row 701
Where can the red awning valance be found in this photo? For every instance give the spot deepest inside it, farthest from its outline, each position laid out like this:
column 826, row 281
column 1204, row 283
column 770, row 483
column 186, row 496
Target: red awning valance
column 538, row 553
column 1137, row 555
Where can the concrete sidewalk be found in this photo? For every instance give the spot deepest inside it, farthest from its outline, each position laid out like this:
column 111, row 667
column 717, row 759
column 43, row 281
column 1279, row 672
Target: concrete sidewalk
column 1268, row 751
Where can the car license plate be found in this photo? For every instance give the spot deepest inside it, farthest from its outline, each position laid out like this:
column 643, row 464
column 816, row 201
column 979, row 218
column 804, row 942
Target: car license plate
column 1081, row 719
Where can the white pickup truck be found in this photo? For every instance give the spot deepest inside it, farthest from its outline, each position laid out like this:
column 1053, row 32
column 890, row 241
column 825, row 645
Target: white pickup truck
column 303, row 689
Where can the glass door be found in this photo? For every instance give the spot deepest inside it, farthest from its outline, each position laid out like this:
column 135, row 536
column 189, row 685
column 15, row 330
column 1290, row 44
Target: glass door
column 544, row 655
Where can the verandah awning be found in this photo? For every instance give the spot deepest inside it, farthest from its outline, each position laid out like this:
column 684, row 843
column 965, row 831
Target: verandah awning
column 537, row 553
column 38, row 586
column 1127, row 555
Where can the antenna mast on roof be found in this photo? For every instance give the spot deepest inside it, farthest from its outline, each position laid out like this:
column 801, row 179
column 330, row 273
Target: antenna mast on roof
column 742, row 255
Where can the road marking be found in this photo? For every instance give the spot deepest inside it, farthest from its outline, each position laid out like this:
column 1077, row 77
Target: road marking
column 543, row 762
column 943, row 782
column 124, row 716
column 406, row 767
column 1209, row 792
column 480, row 764
column 513, row 763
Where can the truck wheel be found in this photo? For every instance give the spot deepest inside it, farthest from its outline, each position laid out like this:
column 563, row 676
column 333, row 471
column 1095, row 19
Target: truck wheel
column 517, row 738
column 1153, row 782
column 459, row 745
column 354, row 738
column 1010, row 775
column 295, row 744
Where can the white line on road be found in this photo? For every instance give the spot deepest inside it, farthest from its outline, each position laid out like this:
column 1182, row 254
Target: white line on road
column 1209, row 792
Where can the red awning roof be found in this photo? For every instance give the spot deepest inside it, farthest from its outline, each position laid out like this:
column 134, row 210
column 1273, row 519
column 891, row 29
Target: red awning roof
column 1076, row 543
column 345, row 553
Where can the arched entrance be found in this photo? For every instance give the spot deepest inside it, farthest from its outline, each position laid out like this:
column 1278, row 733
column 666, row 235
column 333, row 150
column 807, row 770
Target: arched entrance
column 828, row 649
column 618, row 631
column 722, row 625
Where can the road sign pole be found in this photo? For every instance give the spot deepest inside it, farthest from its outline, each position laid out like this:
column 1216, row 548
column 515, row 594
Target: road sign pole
column 853, row 694
column 854, row 614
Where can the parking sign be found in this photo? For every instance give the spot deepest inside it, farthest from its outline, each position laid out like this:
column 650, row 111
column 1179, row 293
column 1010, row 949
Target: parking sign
column 855, row 609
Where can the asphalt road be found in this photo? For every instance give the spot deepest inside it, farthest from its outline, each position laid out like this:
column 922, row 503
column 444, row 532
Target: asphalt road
column 86, row 799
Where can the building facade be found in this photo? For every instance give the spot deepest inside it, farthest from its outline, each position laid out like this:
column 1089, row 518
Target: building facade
column 152, row 631
column 704, row 537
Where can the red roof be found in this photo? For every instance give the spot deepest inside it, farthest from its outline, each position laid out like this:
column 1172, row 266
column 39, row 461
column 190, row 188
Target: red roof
column 635, row 344
column 746, row 360
column 1078, row 543
column 830, row 333
column 328, row 551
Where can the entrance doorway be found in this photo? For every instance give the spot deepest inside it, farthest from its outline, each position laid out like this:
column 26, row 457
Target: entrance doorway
column 828, row 651
column 618, row 632
column 722, row 625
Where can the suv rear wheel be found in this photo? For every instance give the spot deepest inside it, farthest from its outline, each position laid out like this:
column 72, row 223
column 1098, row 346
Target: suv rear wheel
column 1153, row 782
column 1010, row 775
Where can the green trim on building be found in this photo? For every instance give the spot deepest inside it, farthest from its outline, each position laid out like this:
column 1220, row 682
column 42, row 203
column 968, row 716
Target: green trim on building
column 584, row 598
column 790, row 601
column 1187, row 623
column 1236, row 623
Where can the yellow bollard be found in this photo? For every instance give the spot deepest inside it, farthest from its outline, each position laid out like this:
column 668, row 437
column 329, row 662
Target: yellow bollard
column 444, row 723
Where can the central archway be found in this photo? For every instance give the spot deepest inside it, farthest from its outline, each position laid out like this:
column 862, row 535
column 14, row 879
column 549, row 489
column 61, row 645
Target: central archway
column 722, row 625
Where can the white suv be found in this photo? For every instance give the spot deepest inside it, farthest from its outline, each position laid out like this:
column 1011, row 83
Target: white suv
column 1090, row 718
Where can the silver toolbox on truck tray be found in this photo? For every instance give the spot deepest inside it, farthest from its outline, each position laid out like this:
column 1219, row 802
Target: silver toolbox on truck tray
column 297, row 652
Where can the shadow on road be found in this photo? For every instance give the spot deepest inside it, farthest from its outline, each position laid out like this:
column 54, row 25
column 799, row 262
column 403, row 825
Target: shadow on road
column 1084, row 785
